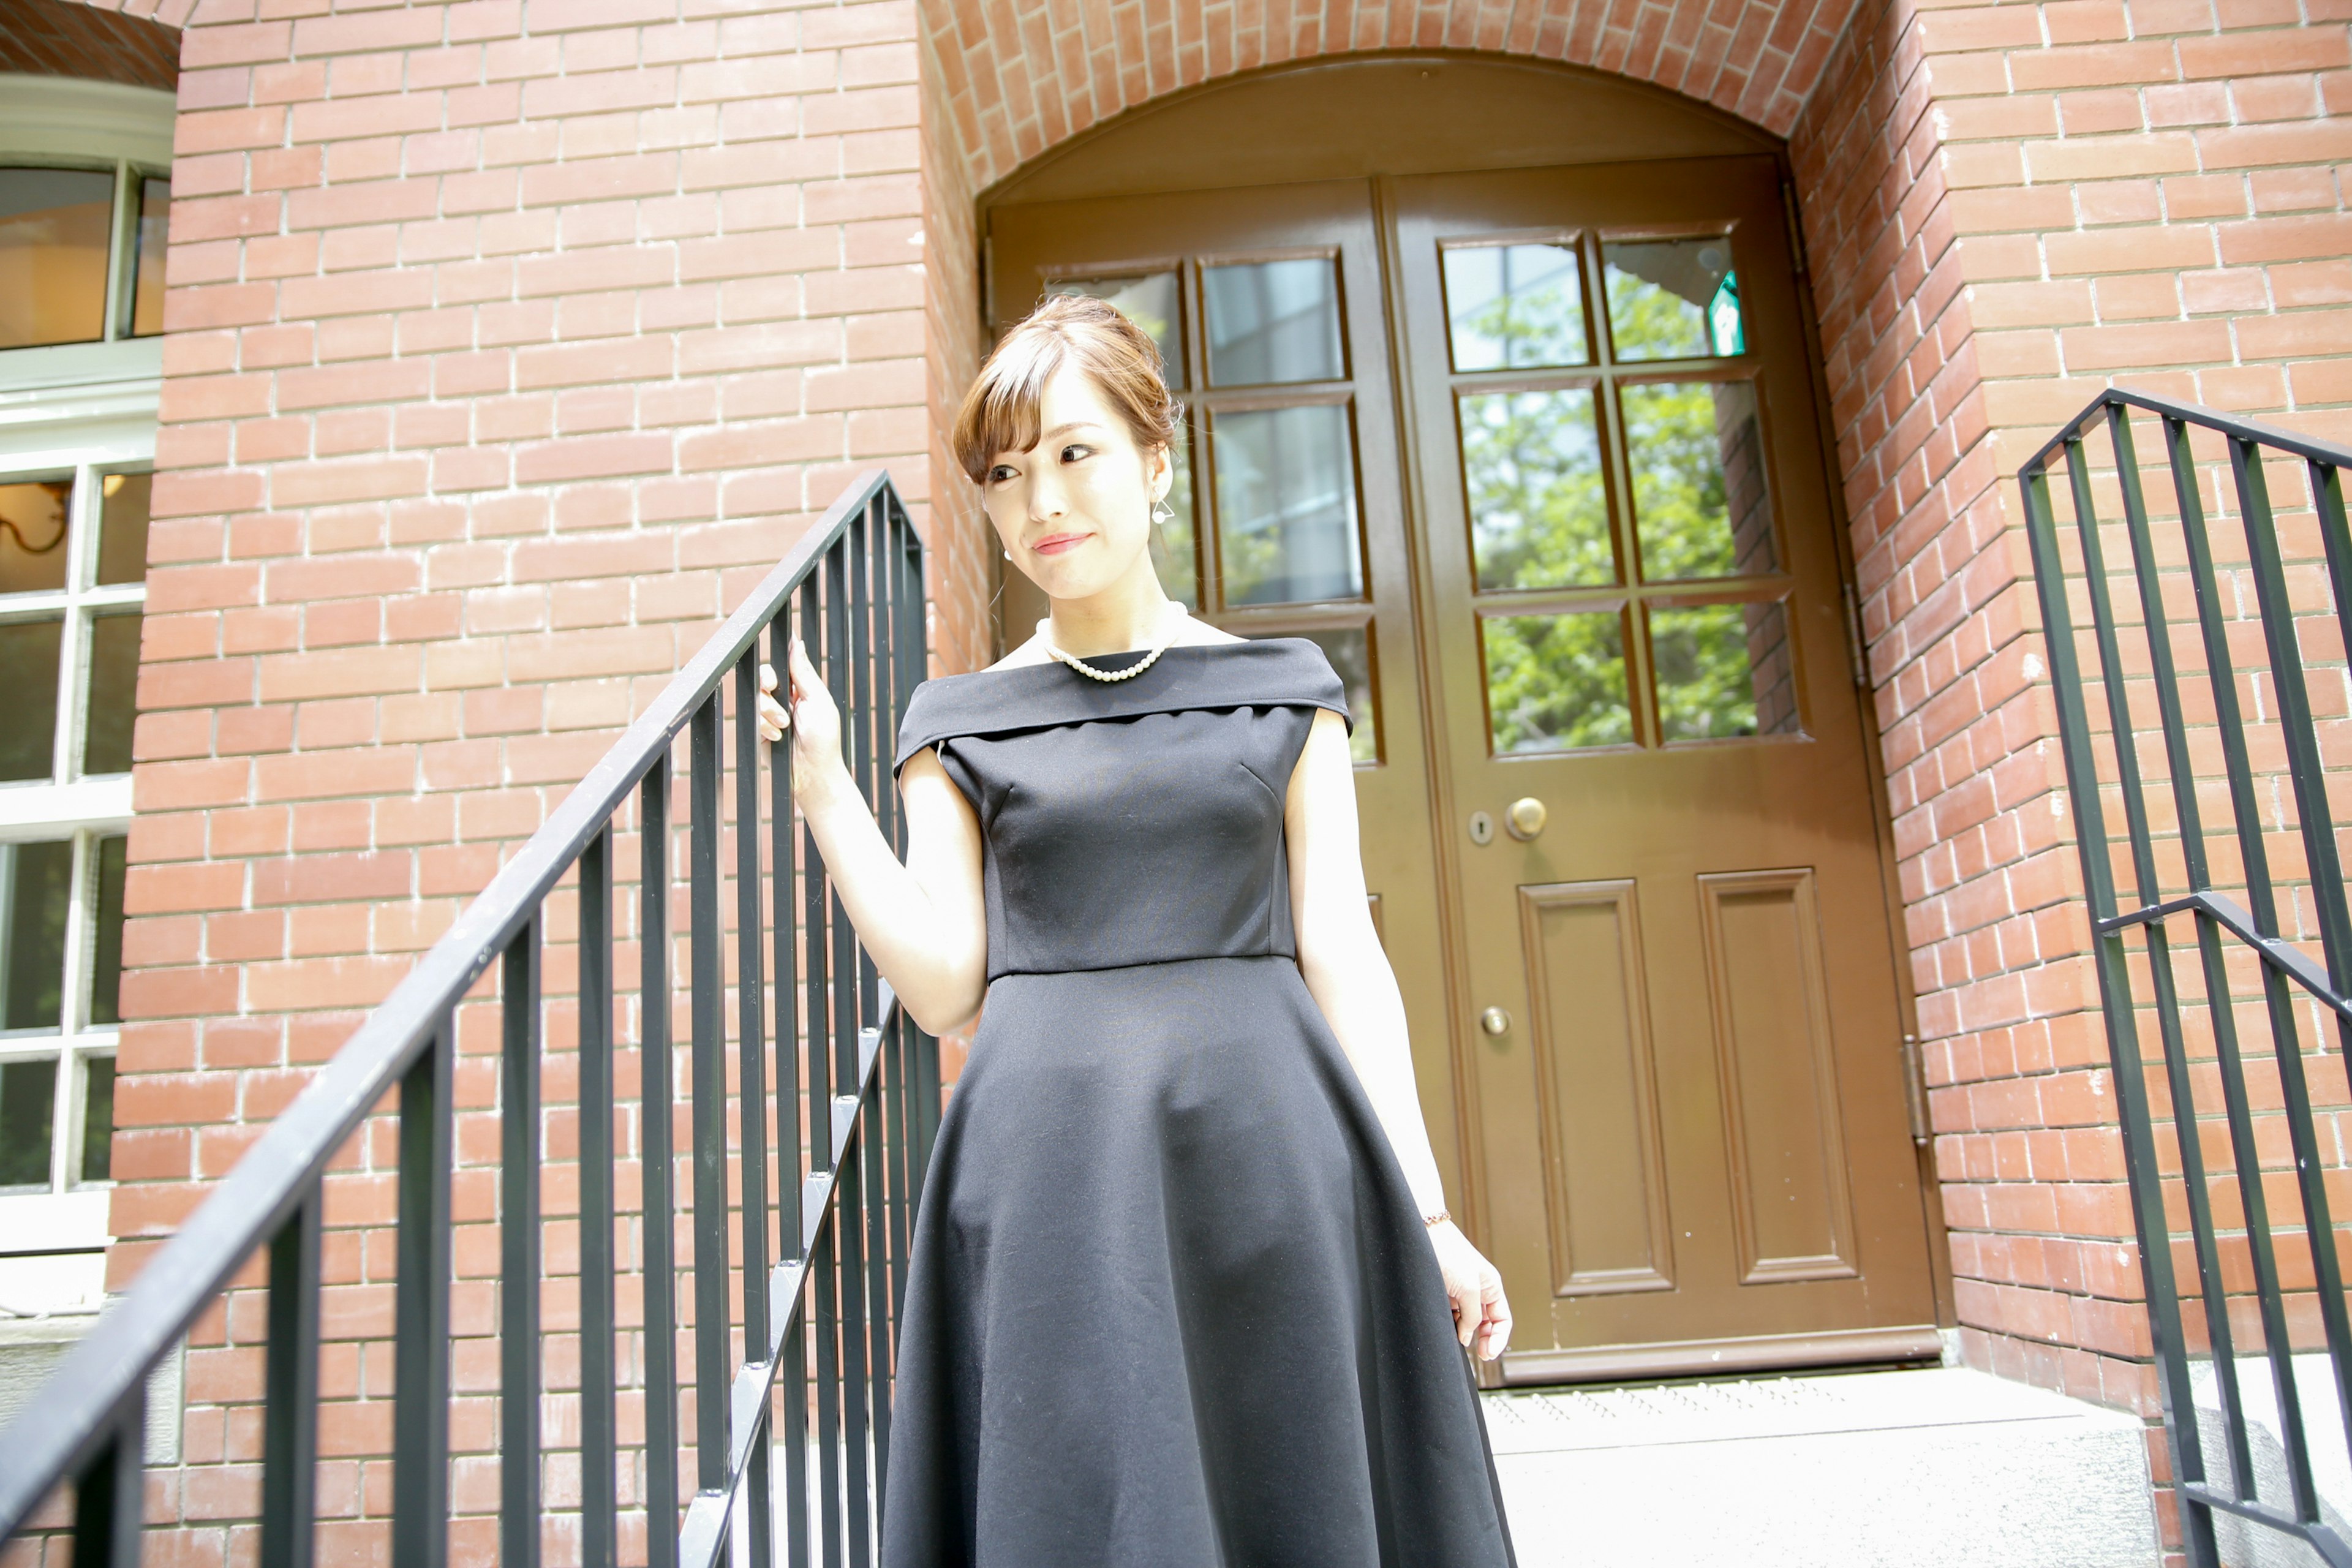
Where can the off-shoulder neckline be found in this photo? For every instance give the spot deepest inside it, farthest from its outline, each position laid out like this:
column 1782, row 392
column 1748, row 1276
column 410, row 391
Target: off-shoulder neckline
column 1120, row 653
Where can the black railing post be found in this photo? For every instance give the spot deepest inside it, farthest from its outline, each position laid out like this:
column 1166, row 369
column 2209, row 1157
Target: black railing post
column 290, row 1405
column 751, row 1076
column 709, row 1096
column 420, row 1412
column 519, row 1249
column 659, row 1168
column 599, row 1523
column 110, row 1503
column 2143, row 1173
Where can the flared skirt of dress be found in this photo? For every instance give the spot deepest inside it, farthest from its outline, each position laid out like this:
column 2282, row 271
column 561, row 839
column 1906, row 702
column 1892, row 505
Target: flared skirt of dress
column 1170, row 1303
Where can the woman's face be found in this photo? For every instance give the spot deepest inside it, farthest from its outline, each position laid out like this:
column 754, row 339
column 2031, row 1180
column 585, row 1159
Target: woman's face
column 1075, row 511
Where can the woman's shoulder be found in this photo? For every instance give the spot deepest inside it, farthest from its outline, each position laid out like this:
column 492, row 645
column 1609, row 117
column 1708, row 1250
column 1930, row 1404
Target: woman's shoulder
column 1034, row 694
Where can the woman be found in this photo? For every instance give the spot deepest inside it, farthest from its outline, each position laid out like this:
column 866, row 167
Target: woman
column 1179, row 1283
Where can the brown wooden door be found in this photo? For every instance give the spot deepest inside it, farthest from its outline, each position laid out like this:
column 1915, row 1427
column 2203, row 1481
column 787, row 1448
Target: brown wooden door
column 1269, row 308
column 1414, row 435
column 1683, row 1076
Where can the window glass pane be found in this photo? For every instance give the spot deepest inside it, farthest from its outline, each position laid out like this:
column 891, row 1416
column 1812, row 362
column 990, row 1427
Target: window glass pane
column 1723, row 669
column 147, row 291
column 113, row 694
column 1350, row 650
column 123, row 501
column 97, row 1119
column 1700, row 503
column 35, row 517
column 28, row 1103
column 1287, row 506
column 1673, row 299
column 106, row 959
column 1539, row 511
column 1272, row 322
column 1556, row 683
column 1151, row 301
column 37, row 888
column 1512, row 305
column 54, row 228
column 28, row 673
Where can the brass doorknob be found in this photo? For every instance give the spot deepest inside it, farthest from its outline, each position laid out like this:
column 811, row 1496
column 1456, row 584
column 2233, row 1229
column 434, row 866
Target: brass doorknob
column 1526, row 817
column 1494, row 1021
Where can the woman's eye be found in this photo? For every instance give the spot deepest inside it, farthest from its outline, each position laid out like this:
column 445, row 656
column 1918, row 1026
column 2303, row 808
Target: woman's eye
column 1071, row 454
column 999, row 473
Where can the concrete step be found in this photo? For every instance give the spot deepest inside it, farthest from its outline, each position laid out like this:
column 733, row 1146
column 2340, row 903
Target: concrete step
column 1918, row 1469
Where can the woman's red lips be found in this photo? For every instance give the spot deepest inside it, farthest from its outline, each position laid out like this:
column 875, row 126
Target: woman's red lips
column 1054, row 544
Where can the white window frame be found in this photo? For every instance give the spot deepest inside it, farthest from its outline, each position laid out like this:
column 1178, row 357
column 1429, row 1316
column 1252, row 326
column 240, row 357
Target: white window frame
column 86, row 410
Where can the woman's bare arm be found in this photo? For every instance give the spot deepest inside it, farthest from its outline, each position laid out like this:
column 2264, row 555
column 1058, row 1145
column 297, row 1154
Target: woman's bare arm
column 1348, row 972
column 924, row 921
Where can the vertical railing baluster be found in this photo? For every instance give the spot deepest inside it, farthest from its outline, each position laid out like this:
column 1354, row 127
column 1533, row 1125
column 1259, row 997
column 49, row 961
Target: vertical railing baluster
column 518, row 1347
column 2230, row 730
column 793, row 1374
column 2181, row 767
column 289, row 1405
column 709, row 1095
column 2324, row 866
column 658, row 1169
column 420, row 1409
column 2114, row 978
column 599, row 1521
column 2132, row 794
column 751, row 1088
column 111, row 1493
column 835, row 1398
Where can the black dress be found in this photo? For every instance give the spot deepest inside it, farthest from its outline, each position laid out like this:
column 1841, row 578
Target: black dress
column 1170, row 1302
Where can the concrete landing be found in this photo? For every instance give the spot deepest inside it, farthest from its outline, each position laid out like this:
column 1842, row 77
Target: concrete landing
column 1916, row 1468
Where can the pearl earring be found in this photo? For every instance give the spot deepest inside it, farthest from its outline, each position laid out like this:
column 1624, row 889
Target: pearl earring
column 1160, row 512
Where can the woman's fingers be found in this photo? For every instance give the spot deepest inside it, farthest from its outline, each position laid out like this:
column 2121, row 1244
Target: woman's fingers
column 1466, row 1311
column 1495, row 1309
column 772, row 717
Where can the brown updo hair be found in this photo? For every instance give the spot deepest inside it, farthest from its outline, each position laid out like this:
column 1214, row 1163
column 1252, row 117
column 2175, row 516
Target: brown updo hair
column 999, row 412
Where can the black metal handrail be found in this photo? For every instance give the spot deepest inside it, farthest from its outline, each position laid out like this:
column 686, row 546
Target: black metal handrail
column 855, row 1082
column 2176, row 875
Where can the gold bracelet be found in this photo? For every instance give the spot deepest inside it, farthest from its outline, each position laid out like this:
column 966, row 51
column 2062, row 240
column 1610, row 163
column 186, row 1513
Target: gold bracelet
column 1440, row 1217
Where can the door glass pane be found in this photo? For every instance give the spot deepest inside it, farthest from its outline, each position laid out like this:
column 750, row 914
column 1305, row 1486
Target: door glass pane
column 122, row 527
column 1272, row 322
column 34, row 516
column 39, row 885
column 1350, row 650
column 28, row 673
column 1151, row 301
column 1515, row 305
column 54, row 228
column 97, row 1117
column 1556, row 683
column 106, row 961
column 1723, row 669
column 1286, row 505
column 113, row 694
column 28, row 1102
column 1539, row 510
column 147, row 291
column 1672, row 298
column 1700, row 503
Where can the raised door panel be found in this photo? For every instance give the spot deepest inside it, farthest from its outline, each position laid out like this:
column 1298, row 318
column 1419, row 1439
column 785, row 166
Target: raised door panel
column 1784, row 1139
column 1603, row 1165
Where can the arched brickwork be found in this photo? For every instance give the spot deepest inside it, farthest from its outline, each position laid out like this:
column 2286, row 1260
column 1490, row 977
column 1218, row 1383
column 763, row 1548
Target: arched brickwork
column 1020, row 80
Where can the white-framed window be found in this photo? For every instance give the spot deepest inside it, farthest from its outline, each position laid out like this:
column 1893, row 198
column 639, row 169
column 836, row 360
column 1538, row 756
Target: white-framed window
column 84, row 193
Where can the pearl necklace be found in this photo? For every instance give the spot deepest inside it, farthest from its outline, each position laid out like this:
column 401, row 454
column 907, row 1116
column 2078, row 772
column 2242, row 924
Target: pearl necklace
column 1132, row 670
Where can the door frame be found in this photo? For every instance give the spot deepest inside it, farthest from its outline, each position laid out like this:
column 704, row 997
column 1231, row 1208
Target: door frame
column 1351, row 101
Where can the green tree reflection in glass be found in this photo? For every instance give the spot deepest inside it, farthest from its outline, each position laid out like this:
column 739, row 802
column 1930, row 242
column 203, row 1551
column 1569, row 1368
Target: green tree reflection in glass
column 1539, row 513
column 1700, row 507
column 1556, row 683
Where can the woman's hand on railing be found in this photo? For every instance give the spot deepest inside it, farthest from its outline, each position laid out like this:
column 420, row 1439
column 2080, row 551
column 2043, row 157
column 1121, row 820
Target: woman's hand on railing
column 814, row 721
